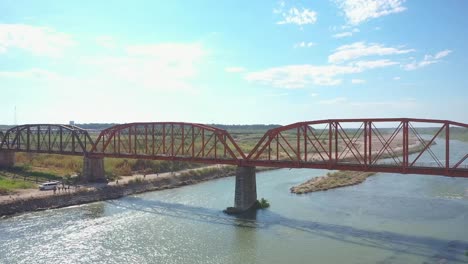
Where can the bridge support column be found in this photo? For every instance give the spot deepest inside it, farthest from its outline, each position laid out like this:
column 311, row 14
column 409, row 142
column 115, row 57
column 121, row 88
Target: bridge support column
column 93, row 169
column 7, row 158
column 246, row 190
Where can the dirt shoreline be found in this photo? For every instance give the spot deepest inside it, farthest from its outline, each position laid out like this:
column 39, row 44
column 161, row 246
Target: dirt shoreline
column 99, row 193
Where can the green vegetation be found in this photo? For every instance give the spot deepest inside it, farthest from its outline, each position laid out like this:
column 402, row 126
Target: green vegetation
column 262, row 204
column 26, row 173
column 456, row 133
column 466, row 253
column 8, row 186
column 53, row 167
column 204, row 172
column 459, row 134
column 331, row 180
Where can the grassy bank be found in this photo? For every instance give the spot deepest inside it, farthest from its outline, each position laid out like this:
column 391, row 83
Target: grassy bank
column 53, row 167
column 8, row 186
column 331, row 180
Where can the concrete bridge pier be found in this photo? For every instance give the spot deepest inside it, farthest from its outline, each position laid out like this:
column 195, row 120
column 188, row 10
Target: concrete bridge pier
column 7, row 158
column 93, row 169
column 246, row 190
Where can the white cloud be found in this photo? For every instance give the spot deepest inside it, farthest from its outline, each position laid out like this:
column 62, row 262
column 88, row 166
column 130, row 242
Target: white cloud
column 361, row 49
column 406, row 103
column 338, row 100
column 168, row 51
column 358, row 81
column 106, row 42
column 363, row 65
column 304, row 44
column 42, row 41
column 358, row 11
column 276, row 95
column 343, row 34
column 442, row 54
column 298, row 76
column 234, row 69
column 427, row 60
column 157, row 66
column 346, row 33
column 396, row 78
column 313, row 94
column 294, row 16
column 34, row 73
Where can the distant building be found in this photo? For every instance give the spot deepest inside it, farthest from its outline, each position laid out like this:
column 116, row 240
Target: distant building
column 72, row 123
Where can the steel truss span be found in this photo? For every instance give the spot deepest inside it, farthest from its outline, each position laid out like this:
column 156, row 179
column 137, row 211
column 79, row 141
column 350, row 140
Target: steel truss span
column 47, row 138
column 169, row 141
column 380, row 145
column 397, row 145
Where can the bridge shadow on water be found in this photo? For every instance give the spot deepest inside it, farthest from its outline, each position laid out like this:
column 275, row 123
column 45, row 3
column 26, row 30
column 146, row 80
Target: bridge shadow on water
column 434, row 249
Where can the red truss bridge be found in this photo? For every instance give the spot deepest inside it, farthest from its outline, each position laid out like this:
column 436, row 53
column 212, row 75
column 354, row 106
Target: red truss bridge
column 396, row 145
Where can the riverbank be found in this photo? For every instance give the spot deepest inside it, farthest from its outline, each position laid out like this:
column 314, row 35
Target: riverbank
column 331, row 181
column 44, row 200
column 100, row 192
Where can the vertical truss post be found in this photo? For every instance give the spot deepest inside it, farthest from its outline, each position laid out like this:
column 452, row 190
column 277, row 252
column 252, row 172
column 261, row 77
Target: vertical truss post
column 203, row 141
column 130, row 139
column 305, row 142
column 215, row 144
column 135, row 130
column 164, row 138
column 370, row 143
column 298, row 139
column 269, row 151
column 73, row 141
column 277, row 146
column 336, row 142
column 183, row 139
column 193, row 141
column 405, row 145
column 225, row 145
column 365, row 144
column 118, row 141
column 447, row 147
column 38, row 138
column 48, row 131
column 330, row 137
column 172, row 139
column 152, row 139
column 146, row 139
column 28, row 131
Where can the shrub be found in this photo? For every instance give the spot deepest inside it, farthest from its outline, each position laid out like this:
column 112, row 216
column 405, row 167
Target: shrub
column 263, row 203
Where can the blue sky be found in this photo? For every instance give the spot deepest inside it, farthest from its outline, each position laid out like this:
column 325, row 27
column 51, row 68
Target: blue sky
column 237, row 62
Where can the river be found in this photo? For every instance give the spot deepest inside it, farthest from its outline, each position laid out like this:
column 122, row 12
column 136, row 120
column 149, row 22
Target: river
column 390, row 218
